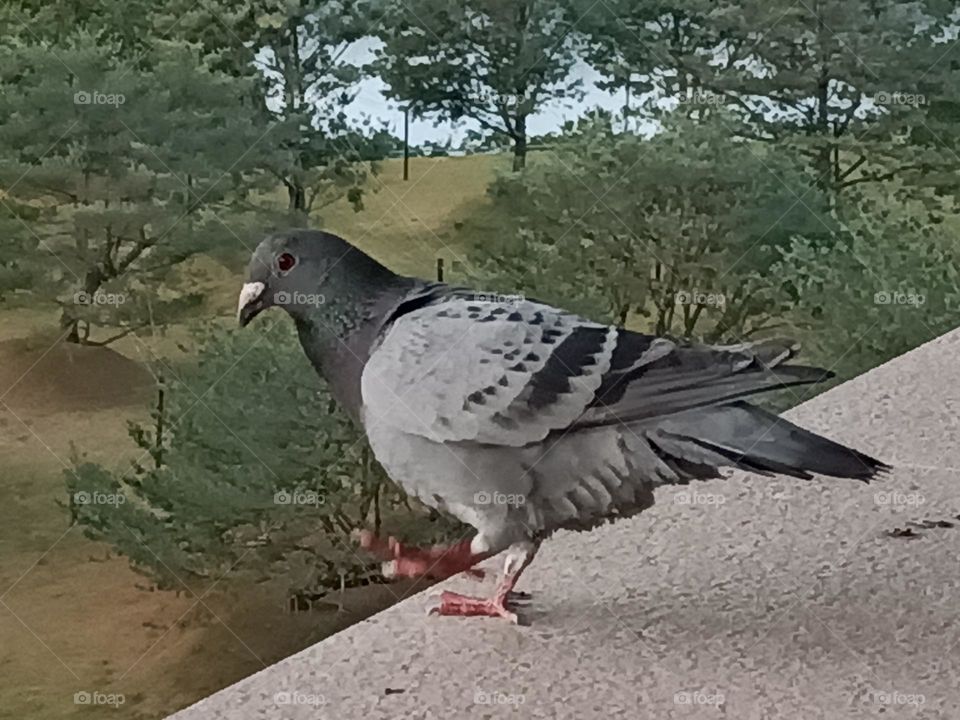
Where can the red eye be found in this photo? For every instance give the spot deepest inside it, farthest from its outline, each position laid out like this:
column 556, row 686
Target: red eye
column 286, row 262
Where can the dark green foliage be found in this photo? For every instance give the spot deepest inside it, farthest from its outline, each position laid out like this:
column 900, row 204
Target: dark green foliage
column 890, row 283
column 681, row 230
column 248, row 468
column 124, row 169
column 698, row 233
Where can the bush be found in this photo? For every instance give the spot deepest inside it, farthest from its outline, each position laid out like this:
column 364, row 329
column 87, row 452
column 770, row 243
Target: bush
column 888, row 284
column 676, row 234
column 247, row 468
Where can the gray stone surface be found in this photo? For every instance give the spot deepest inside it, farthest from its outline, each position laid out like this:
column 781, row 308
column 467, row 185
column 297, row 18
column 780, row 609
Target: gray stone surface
column 739, row 598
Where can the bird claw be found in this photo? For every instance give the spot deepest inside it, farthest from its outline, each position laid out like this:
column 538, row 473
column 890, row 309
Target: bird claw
column 518, row 597
column 455, row 604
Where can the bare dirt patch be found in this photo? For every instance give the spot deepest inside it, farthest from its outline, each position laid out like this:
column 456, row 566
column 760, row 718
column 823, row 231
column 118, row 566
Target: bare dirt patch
column 43, row 375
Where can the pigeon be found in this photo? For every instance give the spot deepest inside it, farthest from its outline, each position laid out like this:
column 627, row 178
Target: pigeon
column 520, row 418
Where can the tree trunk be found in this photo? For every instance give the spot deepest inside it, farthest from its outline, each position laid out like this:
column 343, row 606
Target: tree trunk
column 158, row 440
column 91, row 283
column 298, row 199
column 823, row 154
column 520, row 144
column 68, row 321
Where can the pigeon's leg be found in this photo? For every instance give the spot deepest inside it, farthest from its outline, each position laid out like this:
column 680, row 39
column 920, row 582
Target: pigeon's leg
column 437, row 562
column 519, row 555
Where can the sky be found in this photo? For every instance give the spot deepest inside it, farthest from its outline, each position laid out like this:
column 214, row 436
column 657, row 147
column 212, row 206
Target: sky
column 371, row 101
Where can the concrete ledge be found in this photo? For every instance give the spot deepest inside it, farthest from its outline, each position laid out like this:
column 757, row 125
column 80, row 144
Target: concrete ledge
column 739, row 598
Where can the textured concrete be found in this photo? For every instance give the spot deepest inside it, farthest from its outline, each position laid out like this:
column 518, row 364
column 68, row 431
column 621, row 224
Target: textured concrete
column 739, row 598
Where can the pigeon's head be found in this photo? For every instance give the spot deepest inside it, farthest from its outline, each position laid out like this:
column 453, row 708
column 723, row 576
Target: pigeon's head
column 300, row 271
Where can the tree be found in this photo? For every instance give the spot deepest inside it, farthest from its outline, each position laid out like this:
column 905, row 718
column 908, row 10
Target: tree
column 676, row 234
column 126, row 172
column 213, row 489
column 295, row 54
column 494, row 61
column 864, row 89
column 307, row 85
column 125, row 24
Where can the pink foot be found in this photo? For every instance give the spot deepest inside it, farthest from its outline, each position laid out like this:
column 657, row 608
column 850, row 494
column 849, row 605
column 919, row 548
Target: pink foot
column 518, row 556
column 436, row 562
column 452, row 603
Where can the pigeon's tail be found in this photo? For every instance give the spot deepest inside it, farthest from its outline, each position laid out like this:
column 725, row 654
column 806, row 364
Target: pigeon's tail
column 744, row 436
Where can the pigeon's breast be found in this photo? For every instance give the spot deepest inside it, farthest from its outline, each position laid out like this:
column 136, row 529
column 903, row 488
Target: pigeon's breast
column 575, row 481
column 482, row 486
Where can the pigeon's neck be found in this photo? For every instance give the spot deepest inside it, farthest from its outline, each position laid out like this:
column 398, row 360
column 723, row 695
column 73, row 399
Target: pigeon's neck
column 338, row 335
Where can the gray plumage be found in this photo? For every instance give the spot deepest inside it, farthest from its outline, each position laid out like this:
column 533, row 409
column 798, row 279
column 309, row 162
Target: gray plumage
column 520, row 418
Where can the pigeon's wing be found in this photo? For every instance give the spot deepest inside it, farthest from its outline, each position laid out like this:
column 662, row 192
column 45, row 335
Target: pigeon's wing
column 486, row 370
column 650, row 380
column 490, row 371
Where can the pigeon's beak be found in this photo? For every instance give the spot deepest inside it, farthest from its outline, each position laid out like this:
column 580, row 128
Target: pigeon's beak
column 251, row 302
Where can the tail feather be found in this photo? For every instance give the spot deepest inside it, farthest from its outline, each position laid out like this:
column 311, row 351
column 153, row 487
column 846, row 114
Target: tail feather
column 743, row 436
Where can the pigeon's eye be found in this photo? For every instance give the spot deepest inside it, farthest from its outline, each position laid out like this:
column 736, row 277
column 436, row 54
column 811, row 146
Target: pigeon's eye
column 285, row 262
